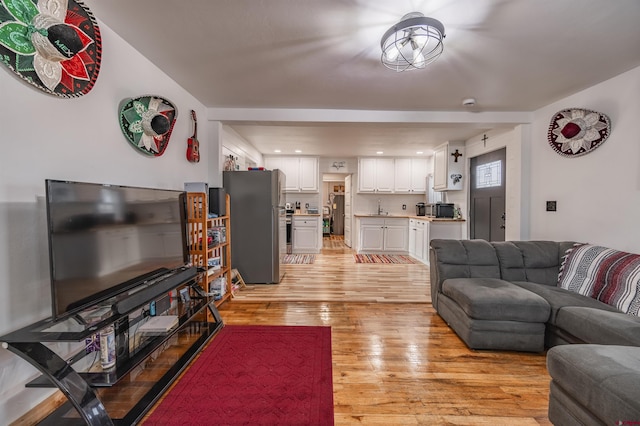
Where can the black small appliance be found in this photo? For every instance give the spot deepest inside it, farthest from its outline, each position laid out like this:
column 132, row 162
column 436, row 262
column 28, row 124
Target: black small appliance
column 421, row 209
column 446, row 210
column 218, row 201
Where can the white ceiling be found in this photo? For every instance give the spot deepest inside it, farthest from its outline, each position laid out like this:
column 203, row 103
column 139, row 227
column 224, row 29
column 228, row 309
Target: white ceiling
column 511, row 55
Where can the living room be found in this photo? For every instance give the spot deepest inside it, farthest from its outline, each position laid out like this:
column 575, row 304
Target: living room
column 80, row 139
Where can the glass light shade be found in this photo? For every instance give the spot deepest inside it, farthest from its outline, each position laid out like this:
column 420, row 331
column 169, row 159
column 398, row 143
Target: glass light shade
column 412, row 43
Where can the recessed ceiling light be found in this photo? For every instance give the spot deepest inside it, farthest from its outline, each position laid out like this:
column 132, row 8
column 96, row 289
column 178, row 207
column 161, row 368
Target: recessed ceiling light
column 277, row 150
column 419, row 152
column 298, row 151
column 379, row 152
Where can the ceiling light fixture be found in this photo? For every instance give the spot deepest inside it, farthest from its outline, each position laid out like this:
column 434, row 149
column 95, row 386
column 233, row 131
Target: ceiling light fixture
column 468, row 102
column 412, row 43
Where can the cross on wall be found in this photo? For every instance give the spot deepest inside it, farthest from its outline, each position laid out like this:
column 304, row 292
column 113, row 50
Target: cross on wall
column 456, row 155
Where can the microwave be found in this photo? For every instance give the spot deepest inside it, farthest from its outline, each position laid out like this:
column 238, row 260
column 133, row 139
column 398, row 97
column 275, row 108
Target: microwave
column 446, row 210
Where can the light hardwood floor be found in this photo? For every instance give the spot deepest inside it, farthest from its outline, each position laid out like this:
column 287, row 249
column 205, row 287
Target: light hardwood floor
column 335, row 277
column 395, row 362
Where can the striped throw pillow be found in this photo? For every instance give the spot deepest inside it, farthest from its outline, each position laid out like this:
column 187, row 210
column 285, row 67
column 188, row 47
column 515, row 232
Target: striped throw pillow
column 608, row 275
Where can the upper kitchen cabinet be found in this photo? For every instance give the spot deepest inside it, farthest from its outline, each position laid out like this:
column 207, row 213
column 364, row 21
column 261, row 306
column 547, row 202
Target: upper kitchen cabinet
column 448, row 166
column 411, row 175
column 308, row 176
column 301, row 172
column 376, row 175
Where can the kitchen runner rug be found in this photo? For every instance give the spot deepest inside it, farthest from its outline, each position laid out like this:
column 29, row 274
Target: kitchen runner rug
column 383, row 258
column 255, row 375
column 298, row 259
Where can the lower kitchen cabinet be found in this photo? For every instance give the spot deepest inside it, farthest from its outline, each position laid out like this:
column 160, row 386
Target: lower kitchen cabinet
column 305, row 237
column 419, row 239
column 384, row 235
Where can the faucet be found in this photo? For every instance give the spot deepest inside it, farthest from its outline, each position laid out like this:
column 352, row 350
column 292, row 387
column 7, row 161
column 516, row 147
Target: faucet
column 379, row 208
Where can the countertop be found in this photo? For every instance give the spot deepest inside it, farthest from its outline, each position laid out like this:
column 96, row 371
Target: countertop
column 305, row 214
column 425, row 218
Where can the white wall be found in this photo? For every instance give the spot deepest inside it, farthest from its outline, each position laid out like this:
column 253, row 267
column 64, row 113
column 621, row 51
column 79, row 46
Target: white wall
column 598, row 194
column 76, row 139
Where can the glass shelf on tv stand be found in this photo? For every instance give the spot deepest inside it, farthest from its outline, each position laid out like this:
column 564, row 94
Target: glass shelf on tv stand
column 84, row 324
column 81, row 372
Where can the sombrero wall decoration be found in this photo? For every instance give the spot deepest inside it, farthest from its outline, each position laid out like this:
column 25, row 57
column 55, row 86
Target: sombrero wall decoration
column 54, row 45
column 574, row 132
column 147, row 123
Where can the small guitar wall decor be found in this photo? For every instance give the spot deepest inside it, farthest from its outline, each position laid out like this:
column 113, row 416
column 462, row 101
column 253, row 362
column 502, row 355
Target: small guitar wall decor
column 193, row 146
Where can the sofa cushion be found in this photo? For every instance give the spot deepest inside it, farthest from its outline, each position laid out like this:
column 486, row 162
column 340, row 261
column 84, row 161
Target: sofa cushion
column 465, row 259
column 535, row 261
column 559, row 298
column 494, row 299
column 603, row 378
column 601, row 327
column 609, row 275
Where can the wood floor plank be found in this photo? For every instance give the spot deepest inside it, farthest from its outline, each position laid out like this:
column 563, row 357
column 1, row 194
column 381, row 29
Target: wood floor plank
column 395, row 361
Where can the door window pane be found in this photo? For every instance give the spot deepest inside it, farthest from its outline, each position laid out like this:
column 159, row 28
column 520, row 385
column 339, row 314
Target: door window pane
column 489, row 174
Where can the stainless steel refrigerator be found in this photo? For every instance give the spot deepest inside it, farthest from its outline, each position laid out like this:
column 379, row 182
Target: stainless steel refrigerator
column 258, row 224
column 337, row 217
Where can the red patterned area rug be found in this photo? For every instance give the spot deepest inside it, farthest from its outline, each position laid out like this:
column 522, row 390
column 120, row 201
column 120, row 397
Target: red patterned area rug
column 383, row 258
column 255, row 375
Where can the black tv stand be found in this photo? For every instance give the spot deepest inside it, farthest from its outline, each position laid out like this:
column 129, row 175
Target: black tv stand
column 92, row 393
column 154, row 289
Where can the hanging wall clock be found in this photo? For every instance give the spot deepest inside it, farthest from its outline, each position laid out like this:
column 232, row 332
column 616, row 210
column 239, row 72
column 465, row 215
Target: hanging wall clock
column 574, row 132
column 54, row 45
column 147, row 123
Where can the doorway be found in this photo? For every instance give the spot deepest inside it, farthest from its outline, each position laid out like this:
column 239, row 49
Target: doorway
column 336, row 195
column 487, row 217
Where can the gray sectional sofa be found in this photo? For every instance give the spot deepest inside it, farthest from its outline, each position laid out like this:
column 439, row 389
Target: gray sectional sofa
column 505, row 296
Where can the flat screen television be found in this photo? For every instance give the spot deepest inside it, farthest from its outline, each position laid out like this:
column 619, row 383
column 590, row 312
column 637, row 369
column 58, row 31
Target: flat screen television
column 107, row 239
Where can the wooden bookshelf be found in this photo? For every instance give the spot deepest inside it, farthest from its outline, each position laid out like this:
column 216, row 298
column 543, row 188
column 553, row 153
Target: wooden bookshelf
column 210, row 245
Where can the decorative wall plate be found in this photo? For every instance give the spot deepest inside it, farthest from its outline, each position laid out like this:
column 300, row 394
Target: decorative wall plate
column 574, row 132
column 147, row 123
column 54, row 45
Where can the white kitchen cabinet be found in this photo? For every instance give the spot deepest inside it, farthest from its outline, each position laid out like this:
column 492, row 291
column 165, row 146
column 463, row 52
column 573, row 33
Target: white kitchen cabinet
column 301, row 172
column 305, row 234
column 376, row 175
column 272, row 163
column 372, row 235
column 419, row 240
column 448, row 168
column 308, row 175
column 412, row 237
column 291, row 169
column 384, row 235
column 410, row 175
column 420, row 232
column 396, row 236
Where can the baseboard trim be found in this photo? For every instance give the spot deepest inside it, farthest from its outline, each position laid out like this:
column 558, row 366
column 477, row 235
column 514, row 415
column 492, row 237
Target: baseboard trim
column 41, row 411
